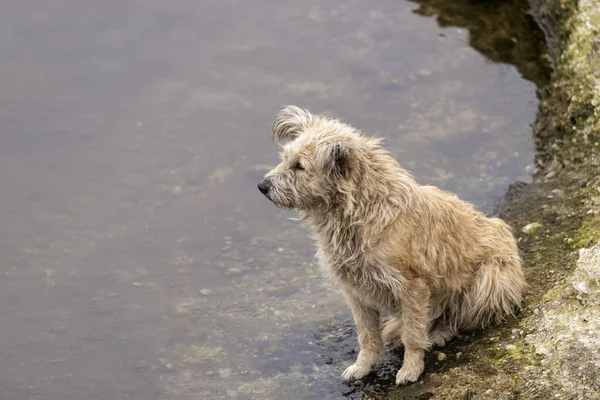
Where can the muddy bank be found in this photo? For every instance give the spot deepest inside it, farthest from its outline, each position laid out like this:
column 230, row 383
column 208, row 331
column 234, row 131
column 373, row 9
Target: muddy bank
column 554, row 216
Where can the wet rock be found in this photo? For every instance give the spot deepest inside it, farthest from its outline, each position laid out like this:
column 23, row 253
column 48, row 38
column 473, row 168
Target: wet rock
column 567, row 330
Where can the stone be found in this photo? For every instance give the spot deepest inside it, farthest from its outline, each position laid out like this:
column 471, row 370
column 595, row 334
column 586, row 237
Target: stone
column 531, row 228
column 567, row 329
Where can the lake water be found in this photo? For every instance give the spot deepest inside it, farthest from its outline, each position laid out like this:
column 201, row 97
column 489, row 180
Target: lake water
column 139, row 260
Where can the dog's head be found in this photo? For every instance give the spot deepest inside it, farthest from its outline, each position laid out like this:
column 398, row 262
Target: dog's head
column 319, row 160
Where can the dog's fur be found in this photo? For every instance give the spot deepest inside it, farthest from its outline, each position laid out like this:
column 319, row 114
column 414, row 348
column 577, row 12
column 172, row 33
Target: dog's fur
column 429, row 260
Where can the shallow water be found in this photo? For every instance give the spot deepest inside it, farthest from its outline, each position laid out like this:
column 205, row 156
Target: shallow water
column 139, row 260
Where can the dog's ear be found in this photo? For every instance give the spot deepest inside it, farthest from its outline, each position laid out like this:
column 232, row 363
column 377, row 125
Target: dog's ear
column 289, row 123
column 335, row 156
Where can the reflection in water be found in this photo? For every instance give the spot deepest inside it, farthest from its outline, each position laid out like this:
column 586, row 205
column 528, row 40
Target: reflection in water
column 502, row 30
column 139, row 261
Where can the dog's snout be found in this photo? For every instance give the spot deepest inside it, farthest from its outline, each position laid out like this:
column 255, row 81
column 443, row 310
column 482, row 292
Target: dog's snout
column 264, row 186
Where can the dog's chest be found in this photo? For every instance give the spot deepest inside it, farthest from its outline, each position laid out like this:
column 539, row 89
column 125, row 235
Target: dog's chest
column 364, row 278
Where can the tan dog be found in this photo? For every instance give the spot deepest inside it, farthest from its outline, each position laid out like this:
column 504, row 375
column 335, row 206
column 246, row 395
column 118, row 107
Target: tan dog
column 429, row 260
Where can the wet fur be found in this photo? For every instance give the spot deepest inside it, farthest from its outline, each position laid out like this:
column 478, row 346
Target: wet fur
column 419, row 254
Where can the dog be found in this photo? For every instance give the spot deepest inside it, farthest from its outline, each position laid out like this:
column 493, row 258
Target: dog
column 418, row 254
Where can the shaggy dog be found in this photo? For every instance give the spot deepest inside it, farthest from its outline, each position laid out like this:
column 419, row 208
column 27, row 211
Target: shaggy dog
column 419, row 254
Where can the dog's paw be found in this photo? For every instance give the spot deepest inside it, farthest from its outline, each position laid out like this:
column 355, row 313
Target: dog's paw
column 355, row 371
column 439, row 337
column 408, row 375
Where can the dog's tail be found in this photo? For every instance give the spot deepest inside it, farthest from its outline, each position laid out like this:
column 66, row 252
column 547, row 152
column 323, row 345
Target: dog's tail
column 496, row 293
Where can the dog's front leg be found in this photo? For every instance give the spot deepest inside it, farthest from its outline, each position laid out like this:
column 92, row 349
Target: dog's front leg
column 369, row 338
column 415, row 321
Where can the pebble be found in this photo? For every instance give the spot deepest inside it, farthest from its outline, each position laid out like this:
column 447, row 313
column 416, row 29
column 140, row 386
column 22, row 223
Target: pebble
column 531, row 228
column 459, row 355
column 205, row 292
column 137, row 284
column 441, row 356
column 511, row 347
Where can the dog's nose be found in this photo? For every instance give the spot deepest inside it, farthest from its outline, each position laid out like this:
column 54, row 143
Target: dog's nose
column 264, row 187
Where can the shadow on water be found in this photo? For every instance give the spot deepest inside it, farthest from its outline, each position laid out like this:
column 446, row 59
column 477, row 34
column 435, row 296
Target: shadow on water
column 502, row 30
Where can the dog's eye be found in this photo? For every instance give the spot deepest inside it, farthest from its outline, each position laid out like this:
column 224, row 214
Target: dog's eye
column 298, row 167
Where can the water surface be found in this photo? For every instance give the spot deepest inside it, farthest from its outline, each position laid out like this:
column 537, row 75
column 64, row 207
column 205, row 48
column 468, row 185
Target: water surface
column 139, row 261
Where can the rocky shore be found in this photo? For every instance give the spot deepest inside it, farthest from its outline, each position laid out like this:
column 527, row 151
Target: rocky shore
column 552, row 350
